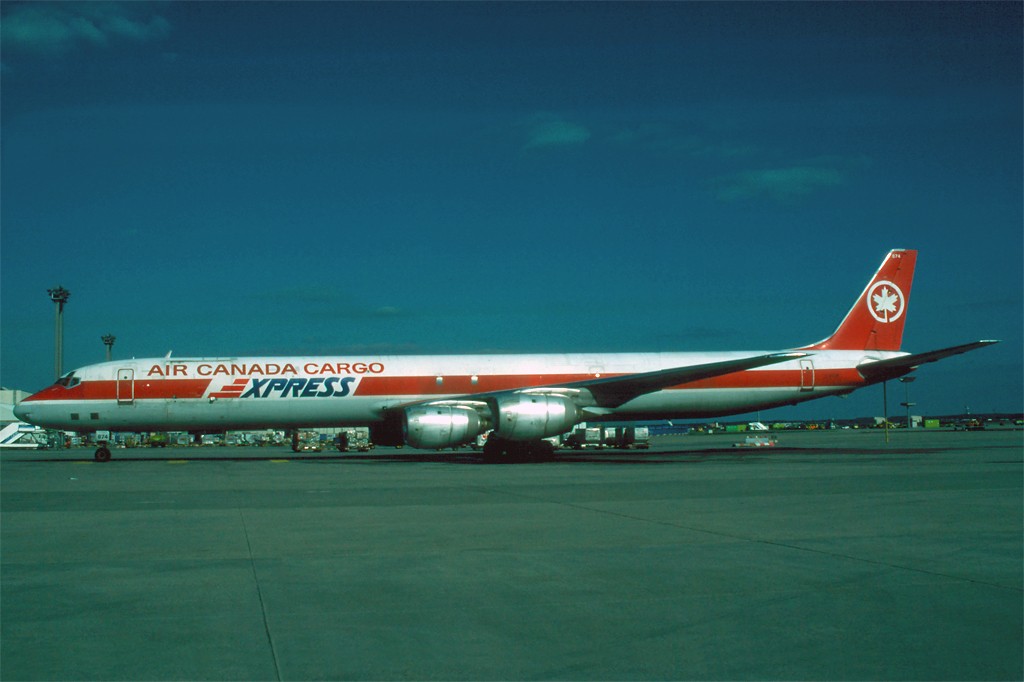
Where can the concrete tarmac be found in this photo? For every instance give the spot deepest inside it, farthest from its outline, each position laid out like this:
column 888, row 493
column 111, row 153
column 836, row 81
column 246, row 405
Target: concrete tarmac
column 832, row 556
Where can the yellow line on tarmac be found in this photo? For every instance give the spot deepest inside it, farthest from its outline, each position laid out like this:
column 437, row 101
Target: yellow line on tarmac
column 177, row 461
column 279, row 461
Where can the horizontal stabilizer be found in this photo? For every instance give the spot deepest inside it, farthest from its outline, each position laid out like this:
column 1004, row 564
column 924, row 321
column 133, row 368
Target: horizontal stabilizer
column 894, row 367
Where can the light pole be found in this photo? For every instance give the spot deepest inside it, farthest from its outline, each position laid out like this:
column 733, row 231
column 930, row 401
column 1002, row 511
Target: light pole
column 885, row 409
column 108, row 341
column 60, row 296
column 906, row 381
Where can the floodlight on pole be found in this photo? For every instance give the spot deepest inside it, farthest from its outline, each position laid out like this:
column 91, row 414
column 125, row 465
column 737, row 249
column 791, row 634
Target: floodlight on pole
column 59, row 296
column 108, row 341
column 885, row 409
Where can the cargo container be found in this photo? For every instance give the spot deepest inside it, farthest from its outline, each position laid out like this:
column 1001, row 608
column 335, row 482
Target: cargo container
column 306, row 441
column 584, row 436
column 158, row 440
column 619, row 437
column 634, row 437
column 356, row 438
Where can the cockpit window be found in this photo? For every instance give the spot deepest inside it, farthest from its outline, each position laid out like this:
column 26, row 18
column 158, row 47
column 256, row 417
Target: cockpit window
column 69, row 380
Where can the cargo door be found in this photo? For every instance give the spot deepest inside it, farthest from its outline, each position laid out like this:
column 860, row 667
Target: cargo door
column 806, row 375
column 125, row 386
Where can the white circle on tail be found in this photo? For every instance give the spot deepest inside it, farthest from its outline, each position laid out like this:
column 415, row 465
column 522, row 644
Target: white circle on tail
column 885, row 301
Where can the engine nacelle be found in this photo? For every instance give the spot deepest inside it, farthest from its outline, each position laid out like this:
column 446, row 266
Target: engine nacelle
column 525, row 416
column 441, row 426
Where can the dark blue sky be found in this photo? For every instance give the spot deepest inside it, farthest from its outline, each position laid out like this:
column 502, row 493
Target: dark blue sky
column 350, row 178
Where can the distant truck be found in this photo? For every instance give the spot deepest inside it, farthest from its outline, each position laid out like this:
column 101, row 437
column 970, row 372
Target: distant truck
column 969, row 425
column 769, row 441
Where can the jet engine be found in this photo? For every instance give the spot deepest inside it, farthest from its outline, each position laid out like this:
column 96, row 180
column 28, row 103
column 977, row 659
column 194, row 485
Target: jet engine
column 527, row 416
column 441, row 426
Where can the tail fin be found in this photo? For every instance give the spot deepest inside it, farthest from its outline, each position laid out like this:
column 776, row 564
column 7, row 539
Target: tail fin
column 875, row 322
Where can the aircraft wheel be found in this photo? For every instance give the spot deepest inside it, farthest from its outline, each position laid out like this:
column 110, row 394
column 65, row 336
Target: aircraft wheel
column 497, row 449
column 532, row 451
column 102, row 454
column 545, row 450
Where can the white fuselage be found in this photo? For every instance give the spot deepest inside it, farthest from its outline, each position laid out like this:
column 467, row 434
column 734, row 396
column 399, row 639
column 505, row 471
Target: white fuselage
column 216, row 394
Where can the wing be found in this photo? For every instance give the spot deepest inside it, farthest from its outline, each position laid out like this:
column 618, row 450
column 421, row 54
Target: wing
column 611, row 392
column 606, row 393
column 894, row 367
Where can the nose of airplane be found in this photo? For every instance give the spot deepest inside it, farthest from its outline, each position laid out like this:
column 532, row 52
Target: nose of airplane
column 22, row 412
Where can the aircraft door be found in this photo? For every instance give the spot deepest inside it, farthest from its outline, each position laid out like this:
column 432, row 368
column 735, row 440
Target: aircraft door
column 806, row 375
column 125, row 386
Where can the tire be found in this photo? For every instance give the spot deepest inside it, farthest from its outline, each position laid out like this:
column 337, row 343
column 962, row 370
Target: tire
column 102, row 454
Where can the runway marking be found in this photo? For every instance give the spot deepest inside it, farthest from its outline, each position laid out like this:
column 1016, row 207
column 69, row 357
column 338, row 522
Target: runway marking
column 177, row 461
column 84, row 462
column 259, row 594
column 279, row 461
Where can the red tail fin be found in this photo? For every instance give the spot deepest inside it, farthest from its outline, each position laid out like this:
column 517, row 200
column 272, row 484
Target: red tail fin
column 875, row 322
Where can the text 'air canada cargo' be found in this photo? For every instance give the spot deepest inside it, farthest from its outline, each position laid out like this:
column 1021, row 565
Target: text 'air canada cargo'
column 446, row 400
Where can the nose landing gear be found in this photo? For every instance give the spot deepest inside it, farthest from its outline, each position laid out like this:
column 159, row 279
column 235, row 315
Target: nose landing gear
column 102, row 453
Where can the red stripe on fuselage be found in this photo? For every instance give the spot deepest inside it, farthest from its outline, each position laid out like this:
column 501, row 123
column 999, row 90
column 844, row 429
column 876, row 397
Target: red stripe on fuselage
column 167, row 389
column 459, row 385
column 429, row 385
column 145, row 389
column 776, row 378
column 232, row 390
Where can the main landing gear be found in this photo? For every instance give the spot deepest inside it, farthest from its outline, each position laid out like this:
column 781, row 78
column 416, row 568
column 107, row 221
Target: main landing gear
column 501, row 450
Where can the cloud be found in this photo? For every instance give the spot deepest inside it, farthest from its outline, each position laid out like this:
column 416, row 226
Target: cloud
column 780, row 184
column 546, row 130
column 57, row 28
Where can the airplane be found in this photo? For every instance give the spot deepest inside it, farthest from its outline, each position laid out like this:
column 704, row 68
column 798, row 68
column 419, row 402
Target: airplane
column 444, row 401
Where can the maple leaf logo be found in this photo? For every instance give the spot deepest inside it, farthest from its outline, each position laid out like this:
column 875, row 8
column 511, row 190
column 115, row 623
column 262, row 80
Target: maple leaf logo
column 885, row 302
